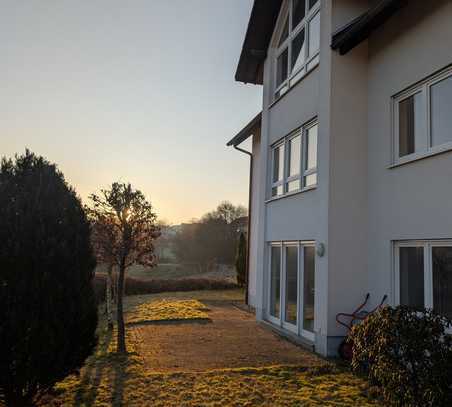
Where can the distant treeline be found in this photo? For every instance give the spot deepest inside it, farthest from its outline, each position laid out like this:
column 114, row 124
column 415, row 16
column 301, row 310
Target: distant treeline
column 207, row 241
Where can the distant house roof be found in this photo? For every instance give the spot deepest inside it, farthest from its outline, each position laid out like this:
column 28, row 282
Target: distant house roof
column 262, row 24
column 257, row 39
column 246, row 132
column 360, row 28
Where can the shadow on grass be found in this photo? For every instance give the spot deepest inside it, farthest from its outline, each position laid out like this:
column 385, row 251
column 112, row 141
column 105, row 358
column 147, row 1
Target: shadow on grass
column 120, row 367
column 172, row 322
column 86, row 393
column 104, row 364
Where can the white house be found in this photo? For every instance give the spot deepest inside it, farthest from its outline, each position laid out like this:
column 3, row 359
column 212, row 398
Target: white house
column 351, row 188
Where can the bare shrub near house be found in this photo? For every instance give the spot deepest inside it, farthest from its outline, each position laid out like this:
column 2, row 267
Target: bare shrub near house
column 408, row 353
column 240, row 261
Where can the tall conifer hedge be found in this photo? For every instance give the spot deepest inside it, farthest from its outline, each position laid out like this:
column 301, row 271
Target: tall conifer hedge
column 240, row 261
column 48, row 312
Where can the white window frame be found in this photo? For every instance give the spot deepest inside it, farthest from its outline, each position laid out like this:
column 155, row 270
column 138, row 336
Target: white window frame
column 272, row 318
column 423, row 143
column 281, row 182
column 308, row 171
column 290, row 178
column 427, row 245
column 310, row 61
column 298, row 328
column 302, row 173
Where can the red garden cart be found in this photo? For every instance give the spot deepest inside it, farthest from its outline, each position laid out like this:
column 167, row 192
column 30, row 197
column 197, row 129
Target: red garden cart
column 349, row 320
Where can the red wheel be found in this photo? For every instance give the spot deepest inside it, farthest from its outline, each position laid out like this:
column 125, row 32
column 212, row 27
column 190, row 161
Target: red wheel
column 346, row 350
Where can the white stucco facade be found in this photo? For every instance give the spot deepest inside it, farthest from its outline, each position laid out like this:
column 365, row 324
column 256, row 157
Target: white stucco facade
column 254, row 226
column 362, row 203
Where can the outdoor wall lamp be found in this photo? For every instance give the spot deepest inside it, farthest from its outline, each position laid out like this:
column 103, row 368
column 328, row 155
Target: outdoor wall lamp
column 320, row 249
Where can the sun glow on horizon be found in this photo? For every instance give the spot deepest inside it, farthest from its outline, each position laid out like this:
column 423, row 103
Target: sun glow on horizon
column 82, row 88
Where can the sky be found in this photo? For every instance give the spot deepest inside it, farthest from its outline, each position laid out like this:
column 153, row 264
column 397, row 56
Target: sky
column 138, row 91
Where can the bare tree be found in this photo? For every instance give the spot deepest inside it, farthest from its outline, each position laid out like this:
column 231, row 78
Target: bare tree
column 131, row 227
column 227, row 212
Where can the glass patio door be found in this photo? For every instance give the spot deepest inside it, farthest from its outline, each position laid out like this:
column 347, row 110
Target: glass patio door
column 290, row 291
column 291, row 287
column 275, row 284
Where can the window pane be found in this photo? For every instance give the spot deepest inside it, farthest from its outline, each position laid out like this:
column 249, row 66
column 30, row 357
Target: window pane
column 412, row 276
column 442, row 280
column 310, row 180
column 281, row 91
column 275, row 281
column 282, row 65
column 285, row 32
column 293, row 185
column 441, row 112
column 298, row 12
column 309, row 288
column 314, row 35
column 312, row 3
column 411, row 123
column 298, row 51
column 291, row 284
column 294, row 156
column 311, row 148
column 278, row 190
column 278, row 163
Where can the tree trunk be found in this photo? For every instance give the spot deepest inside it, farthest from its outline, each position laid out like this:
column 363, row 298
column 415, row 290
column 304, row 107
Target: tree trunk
column 115, row 287
column 120, row 317
column 108, row 299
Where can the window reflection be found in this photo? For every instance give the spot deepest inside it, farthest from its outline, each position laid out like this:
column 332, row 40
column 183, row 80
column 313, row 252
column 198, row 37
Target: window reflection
column 298, row 51
column 309, row 288
column 410, row 123
column 291, row 284
column 442, row 280
column 412, row 276
column 441, row 111
column 275, row 281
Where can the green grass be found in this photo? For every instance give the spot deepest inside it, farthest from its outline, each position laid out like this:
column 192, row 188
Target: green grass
column 109, row 379
column 168, row 310
column 121, row 381
column 236, row 295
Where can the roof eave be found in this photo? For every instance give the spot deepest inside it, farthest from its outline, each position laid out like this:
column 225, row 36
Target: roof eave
column 257, row 39
column 246, row 132
column 358, row 30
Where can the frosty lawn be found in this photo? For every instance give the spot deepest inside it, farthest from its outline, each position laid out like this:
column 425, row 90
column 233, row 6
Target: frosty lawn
column 167, row 310
column 112, row 380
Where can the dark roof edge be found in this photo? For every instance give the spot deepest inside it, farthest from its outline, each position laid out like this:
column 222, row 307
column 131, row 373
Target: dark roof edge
column 257, row 40
column 358, row 30
column 243, row 134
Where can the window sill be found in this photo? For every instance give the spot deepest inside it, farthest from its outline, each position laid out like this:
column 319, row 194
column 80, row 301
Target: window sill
column 420, row 156
column 289, row 194
column 294, row 85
